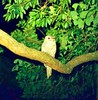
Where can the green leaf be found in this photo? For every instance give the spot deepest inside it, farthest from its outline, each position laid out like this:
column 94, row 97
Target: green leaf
column 63, row 16
column 9, row 1
column 15, row 68
column 66, row 25
column 1, row 50
column 9, row 17
column 51, row 1
column 63, row 41
column 52, row 9
column 15, row 61
column 17, row 16
column 37, row 2
column 27, row 6
column 93, row 1
column 82, row 5
column 18, row 61
column 74, row 15
column 83, row 14
column 48, row 21
column 89, row 20
column 7, row 6
column 87, row 1
column 69, row 1
column 3, row 2
column 33, row 77
column 64, row 3
column 33, row 24
column 75, row 6
column 22, row 10
column 79, row 22
column 32, row 13
column 95, row 21
column 75, row 22
column 21, row 15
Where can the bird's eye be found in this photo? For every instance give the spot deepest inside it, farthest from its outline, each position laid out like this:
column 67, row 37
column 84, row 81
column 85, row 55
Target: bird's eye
column 48, row 37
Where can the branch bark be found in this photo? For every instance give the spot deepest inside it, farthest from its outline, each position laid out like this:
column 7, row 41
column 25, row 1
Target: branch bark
column 33, row 54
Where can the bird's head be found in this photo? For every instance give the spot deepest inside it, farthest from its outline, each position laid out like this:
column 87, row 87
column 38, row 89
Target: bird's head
column 50, row 38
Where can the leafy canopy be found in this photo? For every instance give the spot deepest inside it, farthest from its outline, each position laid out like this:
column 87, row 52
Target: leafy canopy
column 75, row 27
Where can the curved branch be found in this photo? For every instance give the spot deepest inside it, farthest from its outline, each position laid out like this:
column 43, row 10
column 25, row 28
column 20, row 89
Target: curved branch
column 33, row 54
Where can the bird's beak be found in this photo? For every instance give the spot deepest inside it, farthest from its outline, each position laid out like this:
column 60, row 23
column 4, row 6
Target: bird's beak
column 53, row 37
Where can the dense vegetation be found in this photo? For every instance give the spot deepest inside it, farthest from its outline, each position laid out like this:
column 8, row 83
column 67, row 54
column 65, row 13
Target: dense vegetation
column 75, row 26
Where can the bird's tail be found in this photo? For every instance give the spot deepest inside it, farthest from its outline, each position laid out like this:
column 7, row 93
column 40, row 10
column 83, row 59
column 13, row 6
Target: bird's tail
column 48, row 71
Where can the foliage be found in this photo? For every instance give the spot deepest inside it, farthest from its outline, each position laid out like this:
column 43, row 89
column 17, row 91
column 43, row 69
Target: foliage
column 75, row 27
column 33, row 80
column 1, row 50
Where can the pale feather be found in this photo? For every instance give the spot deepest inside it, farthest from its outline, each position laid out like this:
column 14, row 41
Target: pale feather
column 49, row 47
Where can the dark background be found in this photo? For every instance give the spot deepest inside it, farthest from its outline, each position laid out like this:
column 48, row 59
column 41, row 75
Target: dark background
column 9, row 89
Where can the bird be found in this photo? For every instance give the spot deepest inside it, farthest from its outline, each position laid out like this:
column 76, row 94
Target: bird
column 49, row 46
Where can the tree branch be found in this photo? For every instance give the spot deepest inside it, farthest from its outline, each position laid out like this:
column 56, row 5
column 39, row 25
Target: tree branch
column 33, row 54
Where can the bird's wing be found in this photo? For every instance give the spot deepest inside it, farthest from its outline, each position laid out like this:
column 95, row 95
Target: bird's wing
column 49, row 48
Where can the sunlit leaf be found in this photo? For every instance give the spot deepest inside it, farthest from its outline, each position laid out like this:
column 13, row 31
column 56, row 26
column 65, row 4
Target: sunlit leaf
column 83, row 14
column 95, row 21
column 74, row 15
column 75, row 6
column 89, row 20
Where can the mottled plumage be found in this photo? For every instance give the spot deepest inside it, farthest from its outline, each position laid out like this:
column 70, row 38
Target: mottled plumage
column 49, row 46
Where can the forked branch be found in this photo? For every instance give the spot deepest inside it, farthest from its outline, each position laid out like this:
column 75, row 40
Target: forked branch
column 33, row 54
